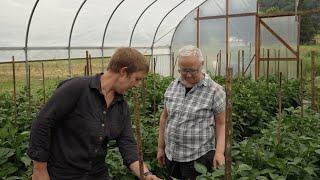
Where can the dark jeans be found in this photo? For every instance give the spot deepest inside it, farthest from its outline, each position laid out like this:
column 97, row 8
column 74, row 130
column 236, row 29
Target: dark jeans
column 186, row 170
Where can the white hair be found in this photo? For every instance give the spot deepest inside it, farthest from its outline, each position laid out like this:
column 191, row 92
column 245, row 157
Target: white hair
column 190, row 50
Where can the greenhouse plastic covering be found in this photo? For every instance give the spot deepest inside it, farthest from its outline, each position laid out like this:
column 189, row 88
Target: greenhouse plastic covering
column 66, row 29
column 52, row 21
column 287, row 28
column 213, row 33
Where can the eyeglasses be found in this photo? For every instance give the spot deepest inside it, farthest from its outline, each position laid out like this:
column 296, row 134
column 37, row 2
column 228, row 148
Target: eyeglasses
column 186, row 71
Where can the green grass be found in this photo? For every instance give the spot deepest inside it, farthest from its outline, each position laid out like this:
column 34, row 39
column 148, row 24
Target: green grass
column 54, row 71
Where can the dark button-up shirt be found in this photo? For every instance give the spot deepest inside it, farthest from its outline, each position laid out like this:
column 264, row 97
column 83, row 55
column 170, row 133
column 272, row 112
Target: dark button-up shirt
column 72, row 130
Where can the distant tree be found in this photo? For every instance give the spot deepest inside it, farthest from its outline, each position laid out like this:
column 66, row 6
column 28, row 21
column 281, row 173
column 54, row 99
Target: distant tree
column 310, row 25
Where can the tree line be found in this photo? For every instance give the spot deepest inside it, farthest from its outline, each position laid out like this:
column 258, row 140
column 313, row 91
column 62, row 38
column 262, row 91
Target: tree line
column 310, row 24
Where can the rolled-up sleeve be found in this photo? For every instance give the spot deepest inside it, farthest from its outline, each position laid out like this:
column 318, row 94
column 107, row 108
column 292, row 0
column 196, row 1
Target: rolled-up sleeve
column 126, row 141
column 60, row 104
column 219, row 100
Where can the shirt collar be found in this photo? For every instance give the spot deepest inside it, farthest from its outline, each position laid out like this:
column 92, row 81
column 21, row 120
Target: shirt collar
column 203, row 82
column 95, row 83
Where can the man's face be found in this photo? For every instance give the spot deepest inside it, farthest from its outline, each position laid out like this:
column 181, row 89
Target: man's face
column 129, row 81
column 190, row 69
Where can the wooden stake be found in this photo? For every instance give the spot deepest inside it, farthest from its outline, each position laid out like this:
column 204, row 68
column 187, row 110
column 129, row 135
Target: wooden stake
column 143, row 94
column 85, row 70
column 313, row 78
column 242, row 56
column 268, row 64
column 43, row 83
column 87, row 62
column 14, row 93
column 280, row 109
column 172, row 65
column 138, row 134
column 90, row 64
column 206, row 63
column 219, row 70
column 239, row 63
column 228, row 129
column 217, row 62
column 154, row 88
column 301, row 88
column 278, row 61
column 29, row 92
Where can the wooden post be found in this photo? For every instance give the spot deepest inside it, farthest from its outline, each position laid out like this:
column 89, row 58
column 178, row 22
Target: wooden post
column 239, row 74
column 172, row 65
column 301, row 88
column 90, row 64
column 85, row 70
column 138, row 134
column 228, row 129
column 268, row 64
column 143, row 94
column 29, row 91
column 227, row 36
column 278, row 61
column 43, row 83
column 217, row 61
column 154, row 88
column 280, row 108
column 206, row 63
column 198, row 27
column 14, row 117
column 257, row 44
column 219, row 70
column 287, row 64
column 242, row 56
column 276, row 71
column 313, row 77
column 87, row 64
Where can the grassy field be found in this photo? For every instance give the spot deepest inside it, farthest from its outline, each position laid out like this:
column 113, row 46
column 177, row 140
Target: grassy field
column 54, row 71
column 58, row 70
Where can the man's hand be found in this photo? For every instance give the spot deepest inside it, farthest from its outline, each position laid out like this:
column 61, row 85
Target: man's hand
column 218, row 159
column 160, row 156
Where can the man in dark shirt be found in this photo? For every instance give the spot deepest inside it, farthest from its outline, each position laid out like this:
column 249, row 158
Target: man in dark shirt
column 69, row 137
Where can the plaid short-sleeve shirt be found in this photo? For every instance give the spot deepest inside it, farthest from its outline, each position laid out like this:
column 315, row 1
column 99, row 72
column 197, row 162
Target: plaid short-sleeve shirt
column 189, row 132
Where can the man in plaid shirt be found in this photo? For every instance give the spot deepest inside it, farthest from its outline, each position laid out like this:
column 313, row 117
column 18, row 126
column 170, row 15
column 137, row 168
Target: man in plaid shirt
column 192, row 124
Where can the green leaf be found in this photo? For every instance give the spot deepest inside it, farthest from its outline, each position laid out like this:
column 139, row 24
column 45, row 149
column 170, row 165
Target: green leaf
column 13, row 178
column 244, row 178
column 296, row 161
column 266, row 171
column 218, row 172
column 309, row 170
column 244, row 167
column 26, row 160
column 5, row 153
column 200, row 168
column 261, row 178
column 276, row 177
column 317, row 151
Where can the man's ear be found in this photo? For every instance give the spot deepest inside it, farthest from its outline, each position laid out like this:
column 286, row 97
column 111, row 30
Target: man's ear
column 202, row 63
column 123, row 72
